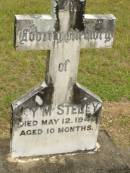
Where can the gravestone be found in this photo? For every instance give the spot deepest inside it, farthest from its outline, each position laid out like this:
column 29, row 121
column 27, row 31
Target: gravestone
column 59, row 116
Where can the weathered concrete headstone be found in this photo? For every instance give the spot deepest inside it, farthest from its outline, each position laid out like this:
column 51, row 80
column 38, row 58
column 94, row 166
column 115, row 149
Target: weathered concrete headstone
column 59, row 116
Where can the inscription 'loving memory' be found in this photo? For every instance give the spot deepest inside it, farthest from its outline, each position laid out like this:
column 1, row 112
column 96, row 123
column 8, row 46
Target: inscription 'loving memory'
column 32, row 34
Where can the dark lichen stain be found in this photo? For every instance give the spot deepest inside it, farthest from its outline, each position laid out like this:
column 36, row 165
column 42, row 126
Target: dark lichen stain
column 83, row 98
column 76, row 9
column 79, row 97
column 30, row 103
column 99, row 25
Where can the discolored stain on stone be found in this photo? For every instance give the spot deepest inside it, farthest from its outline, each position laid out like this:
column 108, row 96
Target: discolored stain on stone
column 76, row 10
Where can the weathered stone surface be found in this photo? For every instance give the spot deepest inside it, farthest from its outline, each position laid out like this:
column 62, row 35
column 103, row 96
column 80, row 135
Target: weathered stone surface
column 36, row 32
column 33, row 32
column 40, row 128
column 99, row 31
column 59, row 116
column 107, row 160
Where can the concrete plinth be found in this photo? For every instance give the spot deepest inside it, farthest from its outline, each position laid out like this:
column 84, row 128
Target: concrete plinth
column 108, row 160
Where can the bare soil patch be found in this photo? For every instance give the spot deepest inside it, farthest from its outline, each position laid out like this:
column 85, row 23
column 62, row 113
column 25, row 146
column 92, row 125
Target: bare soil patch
column 116, row 120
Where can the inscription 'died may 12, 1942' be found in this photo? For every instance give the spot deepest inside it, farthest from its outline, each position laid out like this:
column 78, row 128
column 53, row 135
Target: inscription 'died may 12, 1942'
column 59, row 116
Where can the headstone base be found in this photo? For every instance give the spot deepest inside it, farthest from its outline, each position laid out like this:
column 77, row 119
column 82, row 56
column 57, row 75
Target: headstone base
column 108, row 160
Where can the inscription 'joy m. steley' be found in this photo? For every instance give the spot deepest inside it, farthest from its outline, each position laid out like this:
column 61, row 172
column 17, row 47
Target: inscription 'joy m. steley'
column 59, row 116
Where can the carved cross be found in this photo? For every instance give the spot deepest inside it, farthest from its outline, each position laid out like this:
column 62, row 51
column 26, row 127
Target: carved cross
column 64, row 34
column 40, row 32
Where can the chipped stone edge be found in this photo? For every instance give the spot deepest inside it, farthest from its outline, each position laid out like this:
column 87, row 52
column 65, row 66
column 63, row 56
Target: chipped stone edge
column 33, row 16
column 100, row 16
column 89, row 92
column 28, row 95
column 23, row 160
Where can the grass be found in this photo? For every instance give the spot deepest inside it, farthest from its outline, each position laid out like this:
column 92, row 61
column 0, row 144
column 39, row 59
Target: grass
column 106, row 71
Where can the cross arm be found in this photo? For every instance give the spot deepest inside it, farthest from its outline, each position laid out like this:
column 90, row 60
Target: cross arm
column 33, row 32
column 98, row 31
